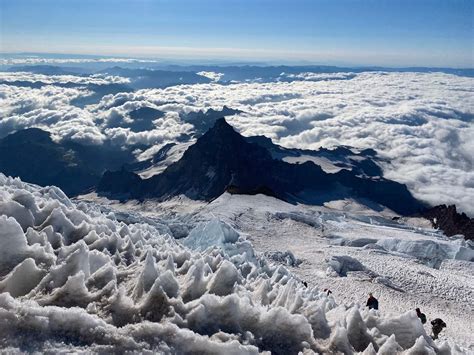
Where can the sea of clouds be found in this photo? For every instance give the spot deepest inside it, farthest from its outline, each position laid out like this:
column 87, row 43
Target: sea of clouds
column 422, row 123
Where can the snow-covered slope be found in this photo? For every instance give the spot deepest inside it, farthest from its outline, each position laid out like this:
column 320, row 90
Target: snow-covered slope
column 75, row 278
column 173, row 154
column 405, row 263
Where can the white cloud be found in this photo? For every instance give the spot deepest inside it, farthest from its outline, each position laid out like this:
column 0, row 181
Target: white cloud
column 97, row 79
column 48, row 108
column 167, row 129
column 33, row 60
column 310, row 76
column 211, row 75
column 421, row 122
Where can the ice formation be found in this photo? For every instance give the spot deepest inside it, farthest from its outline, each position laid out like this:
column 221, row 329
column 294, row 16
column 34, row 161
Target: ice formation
column 75, row 278
column 215, row 233
column 284, row 257
column 342, row 264
column 430, row 252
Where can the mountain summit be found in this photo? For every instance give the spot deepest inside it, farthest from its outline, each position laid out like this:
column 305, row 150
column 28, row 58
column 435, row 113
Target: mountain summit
column 223, row 160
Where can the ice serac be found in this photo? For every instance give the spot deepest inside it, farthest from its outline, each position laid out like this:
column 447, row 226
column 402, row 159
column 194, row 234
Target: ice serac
column 216, row 233
column 223, row 160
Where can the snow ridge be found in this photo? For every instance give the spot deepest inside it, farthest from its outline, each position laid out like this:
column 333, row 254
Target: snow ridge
column 75, row 278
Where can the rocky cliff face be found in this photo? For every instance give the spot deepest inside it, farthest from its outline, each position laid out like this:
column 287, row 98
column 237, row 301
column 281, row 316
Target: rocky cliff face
column 32, row 155
column 223, row 160
column 450, row 221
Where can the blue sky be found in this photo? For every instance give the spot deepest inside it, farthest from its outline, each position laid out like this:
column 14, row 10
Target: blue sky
column 364, row 32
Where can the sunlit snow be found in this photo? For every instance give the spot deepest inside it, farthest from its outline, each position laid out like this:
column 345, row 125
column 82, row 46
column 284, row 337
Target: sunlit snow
column 75, row 277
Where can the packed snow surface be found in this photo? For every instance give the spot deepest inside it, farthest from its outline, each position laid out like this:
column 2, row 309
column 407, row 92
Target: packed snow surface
column 353, row 250
column 75, row 277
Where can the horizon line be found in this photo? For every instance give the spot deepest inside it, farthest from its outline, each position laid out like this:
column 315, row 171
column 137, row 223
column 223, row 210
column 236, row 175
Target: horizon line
column 246, row 55
column 220, row 61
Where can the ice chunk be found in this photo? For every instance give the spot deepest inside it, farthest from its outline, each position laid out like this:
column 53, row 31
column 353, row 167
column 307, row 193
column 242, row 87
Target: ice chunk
column 357, row 331
column 155, row 303
column 390, row 347
column 339, row 342
column 195, row 283
column 286, row 257
column 212, row 233
column 233, row 314
column 359, row 242
column 406, row 328
column 73, row 293
column 147, row 277
column 340, row 265
column 179, row 230
column 421, row 347
column 216, row 233
column 13, row 244
column 22, row 215
column 431, row 253
column 24, row 277
column 168, row 283
column 223, row 281
column 370, row 350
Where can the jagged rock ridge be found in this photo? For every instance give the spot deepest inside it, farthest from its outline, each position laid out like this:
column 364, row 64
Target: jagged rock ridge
column 450, row 221
column 223, row 160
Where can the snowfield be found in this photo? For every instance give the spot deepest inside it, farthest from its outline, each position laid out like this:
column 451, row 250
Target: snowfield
column 353, row 251
column 223, row 278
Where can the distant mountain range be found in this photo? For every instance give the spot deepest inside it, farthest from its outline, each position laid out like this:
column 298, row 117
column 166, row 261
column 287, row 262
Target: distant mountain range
column 165, row 74
column 146, row 78
column 33, row 156
column 46, row 70
column 223, row 160
column 220, row 160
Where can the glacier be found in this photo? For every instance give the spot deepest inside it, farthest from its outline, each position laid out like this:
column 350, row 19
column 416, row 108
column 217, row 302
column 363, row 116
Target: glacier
column 75, row 277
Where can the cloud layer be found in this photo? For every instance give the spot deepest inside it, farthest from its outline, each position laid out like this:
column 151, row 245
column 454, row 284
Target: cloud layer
column 33, row 60
column 96, row 79
column 421, row 122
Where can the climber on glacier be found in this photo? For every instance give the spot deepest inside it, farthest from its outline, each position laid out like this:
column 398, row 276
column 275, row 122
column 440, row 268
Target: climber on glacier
column 420, row 315
column 437, row 326
column 372, row 302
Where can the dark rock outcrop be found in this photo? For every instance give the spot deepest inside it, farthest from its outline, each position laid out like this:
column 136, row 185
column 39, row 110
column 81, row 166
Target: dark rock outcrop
column 450, row 221
column 361, row 163
column 118, row 182
column 33, row 156
column 223, row 160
